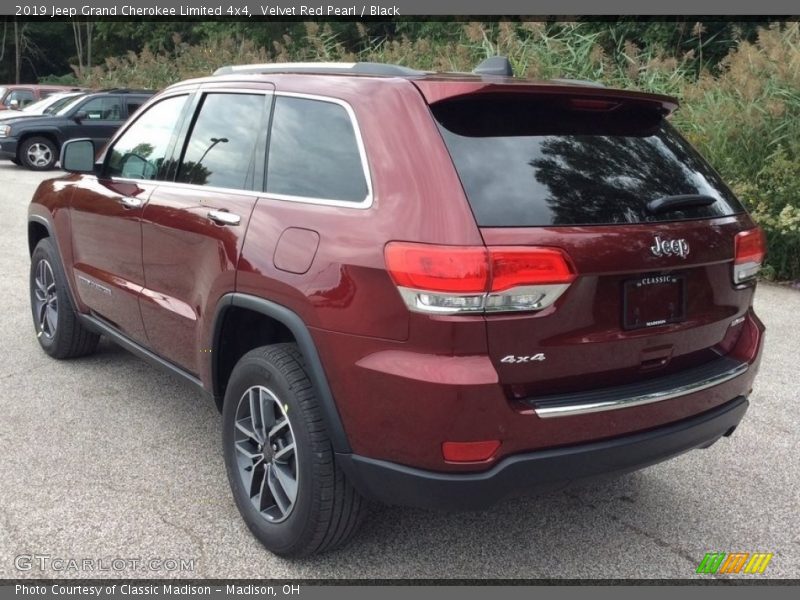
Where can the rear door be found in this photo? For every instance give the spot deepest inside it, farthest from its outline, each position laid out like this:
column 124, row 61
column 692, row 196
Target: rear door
column 647, row 226
column 133, row 103
column 194, row 227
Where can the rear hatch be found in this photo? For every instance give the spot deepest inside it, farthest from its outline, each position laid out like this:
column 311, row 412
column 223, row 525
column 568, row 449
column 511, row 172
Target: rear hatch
column 645, row 224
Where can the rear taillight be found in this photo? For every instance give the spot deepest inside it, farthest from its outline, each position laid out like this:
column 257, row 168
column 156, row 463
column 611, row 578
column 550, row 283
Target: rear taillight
column 469, row 279
column 750, row 249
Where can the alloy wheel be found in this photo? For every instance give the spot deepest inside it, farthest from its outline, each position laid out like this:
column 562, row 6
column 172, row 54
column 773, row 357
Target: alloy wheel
column 45, row 299
column 39, row 155
column 266, row 454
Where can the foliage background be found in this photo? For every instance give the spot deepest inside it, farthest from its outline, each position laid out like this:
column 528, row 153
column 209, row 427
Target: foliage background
column 738, row 82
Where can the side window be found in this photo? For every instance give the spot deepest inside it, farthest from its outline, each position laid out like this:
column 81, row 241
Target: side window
column 221, row 145
column 24, row 97
column 140, row 152
column 133, row 105
column 313, row 152
column 105, row 108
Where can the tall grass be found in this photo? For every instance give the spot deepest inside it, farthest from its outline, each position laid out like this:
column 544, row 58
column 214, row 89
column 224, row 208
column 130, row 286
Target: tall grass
column 745, row 117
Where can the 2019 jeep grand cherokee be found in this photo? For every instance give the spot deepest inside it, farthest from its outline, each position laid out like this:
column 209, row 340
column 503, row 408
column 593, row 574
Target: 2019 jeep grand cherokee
column 34, row 142
column 426, row 289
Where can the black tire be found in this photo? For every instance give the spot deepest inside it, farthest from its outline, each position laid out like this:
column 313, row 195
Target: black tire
column 58, row 329
column 326, row 510
column 38, row 154
column 16, row 161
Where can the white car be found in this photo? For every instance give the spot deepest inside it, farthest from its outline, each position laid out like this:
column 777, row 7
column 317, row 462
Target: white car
column 45, row 106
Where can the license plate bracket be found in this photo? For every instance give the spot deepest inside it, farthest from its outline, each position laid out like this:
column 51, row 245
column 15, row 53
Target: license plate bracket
column 653, row 301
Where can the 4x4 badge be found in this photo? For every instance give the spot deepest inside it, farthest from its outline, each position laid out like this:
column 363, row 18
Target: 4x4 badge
column 678, row 247
column 515, row 360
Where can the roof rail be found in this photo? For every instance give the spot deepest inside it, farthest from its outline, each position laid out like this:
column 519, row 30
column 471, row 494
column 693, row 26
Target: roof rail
column 339, row 68
column 124, row 91
column 586, row 82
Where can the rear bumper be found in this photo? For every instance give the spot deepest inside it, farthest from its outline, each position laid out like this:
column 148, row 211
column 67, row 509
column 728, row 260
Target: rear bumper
column 397, row 484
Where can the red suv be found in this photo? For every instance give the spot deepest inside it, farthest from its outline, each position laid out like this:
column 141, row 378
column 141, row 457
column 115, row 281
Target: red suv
column 426, row 289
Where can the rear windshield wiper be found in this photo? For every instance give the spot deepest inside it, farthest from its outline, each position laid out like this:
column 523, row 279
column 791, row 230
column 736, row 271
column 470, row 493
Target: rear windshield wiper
column 668, row 203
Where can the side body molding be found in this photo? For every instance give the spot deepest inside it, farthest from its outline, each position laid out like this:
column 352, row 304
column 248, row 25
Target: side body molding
column 316, row 372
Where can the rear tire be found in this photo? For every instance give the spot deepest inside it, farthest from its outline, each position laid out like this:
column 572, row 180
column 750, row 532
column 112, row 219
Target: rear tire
column 58, row 329
column 287, row 486
column 38, row 154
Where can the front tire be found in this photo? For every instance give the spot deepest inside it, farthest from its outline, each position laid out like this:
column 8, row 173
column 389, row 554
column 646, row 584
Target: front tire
column 279, row 459
column 38, row 154
column 58, row 329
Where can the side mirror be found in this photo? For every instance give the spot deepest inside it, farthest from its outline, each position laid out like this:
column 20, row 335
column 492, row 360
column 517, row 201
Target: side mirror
column 77, row 156
column 13, row 104
column 79, row 116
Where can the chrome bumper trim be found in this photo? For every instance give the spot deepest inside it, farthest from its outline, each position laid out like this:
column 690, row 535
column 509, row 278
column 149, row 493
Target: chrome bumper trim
column 584, row 408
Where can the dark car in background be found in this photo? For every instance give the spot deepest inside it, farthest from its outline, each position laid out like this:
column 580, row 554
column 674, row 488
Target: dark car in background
column 35, row 142
column 17, row 96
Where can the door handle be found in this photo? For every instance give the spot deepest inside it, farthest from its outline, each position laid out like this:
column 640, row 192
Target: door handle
column 223, row 217
column 130, row 202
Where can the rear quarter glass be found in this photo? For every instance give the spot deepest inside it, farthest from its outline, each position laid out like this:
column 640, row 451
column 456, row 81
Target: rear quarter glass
column 529, row 162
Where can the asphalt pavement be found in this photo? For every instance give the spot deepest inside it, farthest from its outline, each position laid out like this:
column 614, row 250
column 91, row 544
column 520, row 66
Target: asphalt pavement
column 108, row 458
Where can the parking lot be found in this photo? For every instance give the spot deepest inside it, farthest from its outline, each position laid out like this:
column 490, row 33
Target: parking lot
column 106, row 457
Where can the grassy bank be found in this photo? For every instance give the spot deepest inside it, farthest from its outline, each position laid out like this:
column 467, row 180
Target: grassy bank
column 744, row 116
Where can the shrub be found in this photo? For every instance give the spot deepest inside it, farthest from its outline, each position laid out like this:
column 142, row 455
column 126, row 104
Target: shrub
column 746, row 121
column 68, row 79
column 772, row 196
column 744, row 117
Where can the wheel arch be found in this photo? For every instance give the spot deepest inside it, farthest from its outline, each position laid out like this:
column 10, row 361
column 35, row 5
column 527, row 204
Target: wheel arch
column 37, row 231
column 39, row 228
column 51, row 135
column 287, row 321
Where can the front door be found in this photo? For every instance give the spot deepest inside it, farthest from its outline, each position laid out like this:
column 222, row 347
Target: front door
column 107, row 249
column 106, row 216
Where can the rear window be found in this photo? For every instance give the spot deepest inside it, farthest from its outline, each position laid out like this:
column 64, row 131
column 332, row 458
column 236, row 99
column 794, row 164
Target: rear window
column 531, row 163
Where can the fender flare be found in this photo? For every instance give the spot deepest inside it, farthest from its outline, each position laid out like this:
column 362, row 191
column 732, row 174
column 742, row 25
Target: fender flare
column 42, row 132
column 314, row 368
column 51, row 233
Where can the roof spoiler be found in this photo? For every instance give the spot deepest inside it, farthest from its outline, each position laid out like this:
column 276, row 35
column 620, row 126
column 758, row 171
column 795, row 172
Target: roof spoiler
column 494, row 65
